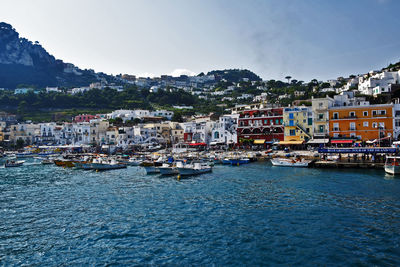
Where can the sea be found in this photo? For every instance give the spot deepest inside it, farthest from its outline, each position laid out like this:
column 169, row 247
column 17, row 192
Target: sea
column 252, row 215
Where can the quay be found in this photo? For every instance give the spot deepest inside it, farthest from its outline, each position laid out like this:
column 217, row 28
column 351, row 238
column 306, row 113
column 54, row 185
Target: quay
column 344, row 164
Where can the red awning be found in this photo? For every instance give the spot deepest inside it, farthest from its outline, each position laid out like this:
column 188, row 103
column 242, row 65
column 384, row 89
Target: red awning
column 197, row 144
column 341, row 141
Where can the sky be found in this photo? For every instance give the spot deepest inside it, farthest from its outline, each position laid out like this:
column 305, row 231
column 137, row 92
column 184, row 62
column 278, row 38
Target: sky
column 304, row 39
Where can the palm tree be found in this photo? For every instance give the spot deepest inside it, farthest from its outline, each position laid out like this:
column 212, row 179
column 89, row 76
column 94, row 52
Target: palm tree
column 288, row 78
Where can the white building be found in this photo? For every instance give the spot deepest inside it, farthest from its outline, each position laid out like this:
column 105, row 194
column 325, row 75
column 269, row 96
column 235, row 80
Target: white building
column 225, row 130
column 378, row 83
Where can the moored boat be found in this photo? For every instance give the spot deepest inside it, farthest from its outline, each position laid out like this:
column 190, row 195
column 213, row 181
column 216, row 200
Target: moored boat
column 194, row 169
column 285, row 162
column 13, row 163
column 392, row 165
column 239, row 161
column 151, row 167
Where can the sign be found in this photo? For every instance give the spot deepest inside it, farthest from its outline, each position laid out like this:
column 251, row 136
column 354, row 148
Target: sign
column 358, row 150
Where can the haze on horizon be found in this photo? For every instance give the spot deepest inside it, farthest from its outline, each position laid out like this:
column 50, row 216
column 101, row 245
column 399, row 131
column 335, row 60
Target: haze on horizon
column 304, row 39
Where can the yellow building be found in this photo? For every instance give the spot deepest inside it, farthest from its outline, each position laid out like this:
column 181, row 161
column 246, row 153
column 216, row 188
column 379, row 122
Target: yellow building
column 298, row 123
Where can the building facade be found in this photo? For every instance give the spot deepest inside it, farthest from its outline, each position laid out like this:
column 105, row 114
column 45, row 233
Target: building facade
column 265, row 123
column 364, row 123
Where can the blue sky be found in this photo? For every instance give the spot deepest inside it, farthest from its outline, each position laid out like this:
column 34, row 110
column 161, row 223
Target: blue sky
column 304, row 39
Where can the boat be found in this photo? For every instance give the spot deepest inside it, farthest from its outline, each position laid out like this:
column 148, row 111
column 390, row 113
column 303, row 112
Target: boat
column 151, row 166
column 134, row 162
column 64, row 163
column 392, row 165
column 285, row 162
column 13, row 163
column 170, row 169
column 194, row 169
column 239, row 161
column 104, row 164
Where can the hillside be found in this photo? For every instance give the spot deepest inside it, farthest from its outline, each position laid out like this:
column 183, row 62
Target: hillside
column 25, row 62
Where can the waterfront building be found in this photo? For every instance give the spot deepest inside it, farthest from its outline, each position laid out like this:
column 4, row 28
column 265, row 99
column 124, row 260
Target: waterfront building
column 364, row 123
column 198, row 131
column 298, row 122
column 320, row 110
column 261, row 125
column 225, row 130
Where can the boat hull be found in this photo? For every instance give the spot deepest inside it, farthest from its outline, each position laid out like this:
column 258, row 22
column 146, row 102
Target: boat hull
column 391, row 169
column 287, row 163
column 151, row 169
column 191, row 171
column 168, row 171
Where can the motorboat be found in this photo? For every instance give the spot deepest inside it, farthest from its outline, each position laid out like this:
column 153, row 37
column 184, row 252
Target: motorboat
column 151, row 166
column 106, row 164
column 287, row 162
column 14, row 163
column 194, row 169
column 134, row 162
column 239, row 161
column 170, row 169
column 392, row 165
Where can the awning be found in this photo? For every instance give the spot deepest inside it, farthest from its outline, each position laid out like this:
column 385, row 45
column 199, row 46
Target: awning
column 318, row 141
column 259, row 141
column 341, row 141
column 291, row 142
column 197, row 144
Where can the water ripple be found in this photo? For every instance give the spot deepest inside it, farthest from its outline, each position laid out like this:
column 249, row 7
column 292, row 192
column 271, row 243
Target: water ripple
column 252, row 215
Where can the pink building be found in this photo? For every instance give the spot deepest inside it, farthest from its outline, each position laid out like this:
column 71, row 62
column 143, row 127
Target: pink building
column 84, row 118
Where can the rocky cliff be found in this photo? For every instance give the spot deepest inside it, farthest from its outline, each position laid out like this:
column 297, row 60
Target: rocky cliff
column 25, row 62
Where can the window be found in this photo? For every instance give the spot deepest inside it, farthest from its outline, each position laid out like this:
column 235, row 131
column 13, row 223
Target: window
column 336, row 126
column 352, row 114
column 374, row 125
column 365, row 123
column 353, row 135
column 265, row 121
column 292, row 132
column 291, row 123
column 291, row 116
column 277, row 121
column 335, row 115
column 374, row 112
column 321, row 128
column 381, row 125
column 365, row 113
column 382, row 112
column 335, row 135
column 352, row 126
column 321, row 116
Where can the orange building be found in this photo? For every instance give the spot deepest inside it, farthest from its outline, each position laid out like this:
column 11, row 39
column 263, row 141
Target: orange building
column 361, row 122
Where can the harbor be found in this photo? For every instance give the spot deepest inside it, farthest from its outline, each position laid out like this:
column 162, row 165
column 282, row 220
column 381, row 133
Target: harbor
column 52, row 215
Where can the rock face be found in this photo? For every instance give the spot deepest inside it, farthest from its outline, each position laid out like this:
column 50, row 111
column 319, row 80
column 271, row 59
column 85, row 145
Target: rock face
column 25, row 62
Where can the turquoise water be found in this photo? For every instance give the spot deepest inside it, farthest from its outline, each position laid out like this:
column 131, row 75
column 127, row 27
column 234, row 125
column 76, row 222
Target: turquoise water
column 255, row 214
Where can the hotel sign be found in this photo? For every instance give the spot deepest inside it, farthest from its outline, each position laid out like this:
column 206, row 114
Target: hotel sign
column 358, row 150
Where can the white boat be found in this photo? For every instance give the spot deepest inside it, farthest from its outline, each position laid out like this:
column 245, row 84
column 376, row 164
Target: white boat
column 102, row 165
column 392, row 165
column 13, row 163
column 134, row 162
column 168, row 169
column 284, row 162
column 194, row 169
column 151, row 167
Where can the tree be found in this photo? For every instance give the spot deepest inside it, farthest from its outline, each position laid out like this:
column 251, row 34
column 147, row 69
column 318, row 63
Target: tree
column 22, row 107
column 288, row 78
column 20, row 143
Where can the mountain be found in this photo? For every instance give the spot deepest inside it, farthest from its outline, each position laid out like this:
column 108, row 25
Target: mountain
column 235, row 75
column 28, row 63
